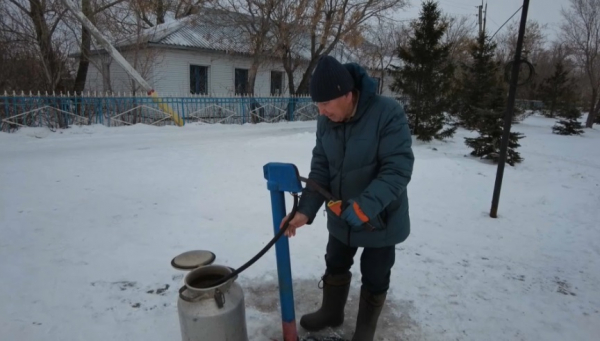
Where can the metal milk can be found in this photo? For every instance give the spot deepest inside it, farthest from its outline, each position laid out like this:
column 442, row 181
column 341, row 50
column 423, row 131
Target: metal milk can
column 209, row 313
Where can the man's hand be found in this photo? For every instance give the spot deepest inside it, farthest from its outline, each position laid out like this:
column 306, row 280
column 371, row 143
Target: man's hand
column 299, row 220
column 354, row 215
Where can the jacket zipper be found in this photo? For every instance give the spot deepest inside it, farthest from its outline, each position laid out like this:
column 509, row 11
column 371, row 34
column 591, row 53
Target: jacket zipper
column 342, row 171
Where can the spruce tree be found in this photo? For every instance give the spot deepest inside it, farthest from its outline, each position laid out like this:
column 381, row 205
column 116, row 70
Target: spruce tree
column 426, row 75
column 481, row 88
column 569, row 125
column 484, row 105
column 487, row 145
column 556, row 91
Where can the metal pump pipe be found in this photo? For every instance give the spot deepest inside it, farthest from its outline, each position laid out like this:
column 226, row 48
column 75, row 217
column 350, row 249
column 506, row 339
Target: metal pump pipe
column 281, row 178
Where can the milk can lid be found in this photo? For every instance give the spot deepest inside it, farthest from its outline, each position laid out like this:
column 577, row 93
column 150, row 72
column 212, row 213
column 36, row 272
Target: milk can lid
column 193, row 259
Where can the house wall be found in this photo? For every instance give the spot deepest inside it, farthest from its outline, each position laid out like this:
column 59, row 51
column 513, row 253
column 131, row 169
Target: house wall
column 385, row 86
column 173, row 76
column 120, row 82
column 168, row 72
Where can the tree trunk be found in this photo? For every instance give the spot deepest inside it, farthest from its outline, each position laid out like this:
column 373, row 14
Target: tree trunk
column 86, row 45
column 160, row 12
column 251, row 83
column 256, row 60
column 287, row 66
column 417, row 107
column 382, row 82
column 49, row 56
column 303, row 86
column 593, row 109
column 44, row 40
column 291, row 85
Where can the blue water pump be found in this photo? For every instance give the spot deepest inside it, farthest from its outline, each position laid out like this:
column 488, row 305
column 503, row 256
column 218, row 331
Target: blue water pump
column 281, row 178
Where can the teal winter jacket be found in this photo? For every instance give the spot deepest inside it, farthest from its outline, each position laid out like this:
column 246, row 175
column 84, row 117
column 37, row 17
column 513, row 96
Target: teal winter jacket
column 368, row 159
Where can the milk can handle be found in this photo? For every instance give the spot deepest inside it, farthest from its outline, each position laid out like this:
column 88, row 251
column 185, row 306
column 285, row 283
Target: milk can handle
column 218, row 296
column 186, row 298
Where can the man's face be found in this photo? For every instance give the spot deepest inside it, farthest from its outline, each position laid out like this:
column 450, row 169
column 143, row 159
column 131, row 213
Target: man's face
column 337, row 110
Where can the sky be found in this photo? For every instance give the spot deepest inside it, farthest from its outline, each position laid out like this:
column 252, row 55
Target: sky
column 542, row 11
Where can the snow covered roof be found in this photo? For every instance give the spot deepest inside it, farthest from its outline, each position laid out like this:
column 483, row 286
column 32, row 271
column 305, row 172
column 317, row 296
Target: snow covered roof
column 205, row 31
column 191, row 32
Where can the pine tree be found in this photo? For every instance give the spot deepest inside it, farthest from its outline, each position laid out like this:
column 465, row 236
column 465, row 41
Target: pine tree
column 487, row 144
column 569, row 125
column 484, row 105
column 556, row 90
column 481, row 87
column 426, row 75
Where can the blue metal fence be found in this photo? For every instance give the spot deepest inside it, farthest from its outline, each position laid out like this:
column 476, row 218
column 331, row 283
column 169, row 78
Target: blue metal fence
column 62, row 111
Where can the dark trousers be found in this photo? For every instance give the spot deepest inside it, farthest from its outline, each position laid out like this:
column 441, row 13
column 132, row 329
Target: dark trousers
column 375, row 263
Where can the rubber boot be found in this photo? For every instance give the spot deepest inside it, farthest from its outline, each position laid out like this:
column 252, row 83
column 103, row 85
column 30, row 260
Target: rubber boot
column 331, row 313
column 369, row 309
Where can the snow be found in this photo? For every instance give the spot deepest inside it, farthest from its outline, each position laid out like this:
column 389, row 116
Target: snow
column 91, row 217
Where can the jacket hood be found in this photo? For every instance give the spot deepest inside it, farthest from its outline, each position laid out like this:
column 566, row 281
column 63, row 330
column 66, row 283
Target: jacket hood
column 363, row 82
column 365, row 85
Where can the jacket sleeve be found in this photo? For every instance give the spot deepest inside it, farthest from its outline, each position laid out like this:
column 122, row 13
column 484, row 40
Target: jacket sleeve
column 396, row 161
column 311, row 201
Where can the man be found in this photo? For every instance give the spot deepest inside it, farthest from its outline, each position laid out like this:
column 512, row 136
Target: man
column 363, row 156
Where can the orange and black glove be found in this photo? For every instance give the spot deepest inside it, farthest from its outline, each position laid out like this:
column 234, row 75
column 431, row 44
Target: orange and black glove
column 354, row 215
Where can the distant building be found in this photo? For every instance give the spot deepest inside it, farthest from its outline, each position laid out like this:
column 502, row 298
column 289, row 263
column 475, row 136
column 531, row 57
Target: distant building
column 193, row 56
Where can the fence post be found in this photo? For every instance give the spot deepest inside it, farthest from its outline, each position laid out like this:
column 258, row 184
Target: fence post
column 183, row 110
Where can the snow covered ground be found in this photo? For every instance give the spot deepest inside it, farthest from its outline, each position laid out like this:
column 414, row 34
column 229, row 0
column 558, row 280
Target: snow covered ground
column 90, row 219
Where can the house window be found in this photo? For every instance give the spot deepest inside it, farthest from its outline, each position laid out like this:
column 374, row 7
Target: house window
column 276, row 83
column 241, row 81
column 198, row 79
column 377, row 84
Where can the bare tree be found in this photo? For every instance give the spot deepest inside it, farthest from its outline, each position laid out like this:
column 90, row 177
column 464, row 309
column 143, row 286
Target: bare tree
column 458, row 36
column 144, row 60
column 21, row 66
column 252, row 19
column 308, row 29
column 288, row 22
column 533, row 41
column 91, row 9
column 533, row 51
column 37, row 23
column 156, row 12
column 122, row 22
column 376, row 45
column 581, row 33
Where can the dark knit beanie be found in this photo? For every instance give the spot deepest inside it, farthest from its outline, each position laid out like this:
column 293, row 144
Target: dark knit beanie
column 330, row 80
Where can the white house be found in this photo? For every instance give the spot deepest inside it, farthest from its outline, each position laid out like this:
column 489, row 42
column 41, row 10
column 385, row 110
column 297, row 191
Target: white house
column 193, row 57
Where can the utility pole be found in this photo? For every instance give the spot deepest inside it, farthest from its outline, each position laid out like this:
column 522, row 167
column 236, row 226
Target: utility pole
column 509, row 110
column 480, row 17
column 484, row 17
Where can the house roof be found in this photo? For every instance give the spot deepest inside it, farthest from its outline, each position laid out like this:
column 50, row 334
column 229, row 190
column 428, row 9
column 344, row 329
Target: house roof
column 191, row 32
column 205, row 31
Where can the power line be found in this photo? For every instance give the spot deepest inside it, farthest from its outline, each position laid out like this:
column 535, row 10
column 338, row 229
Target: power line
column 506, row 22
column 494, row 21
